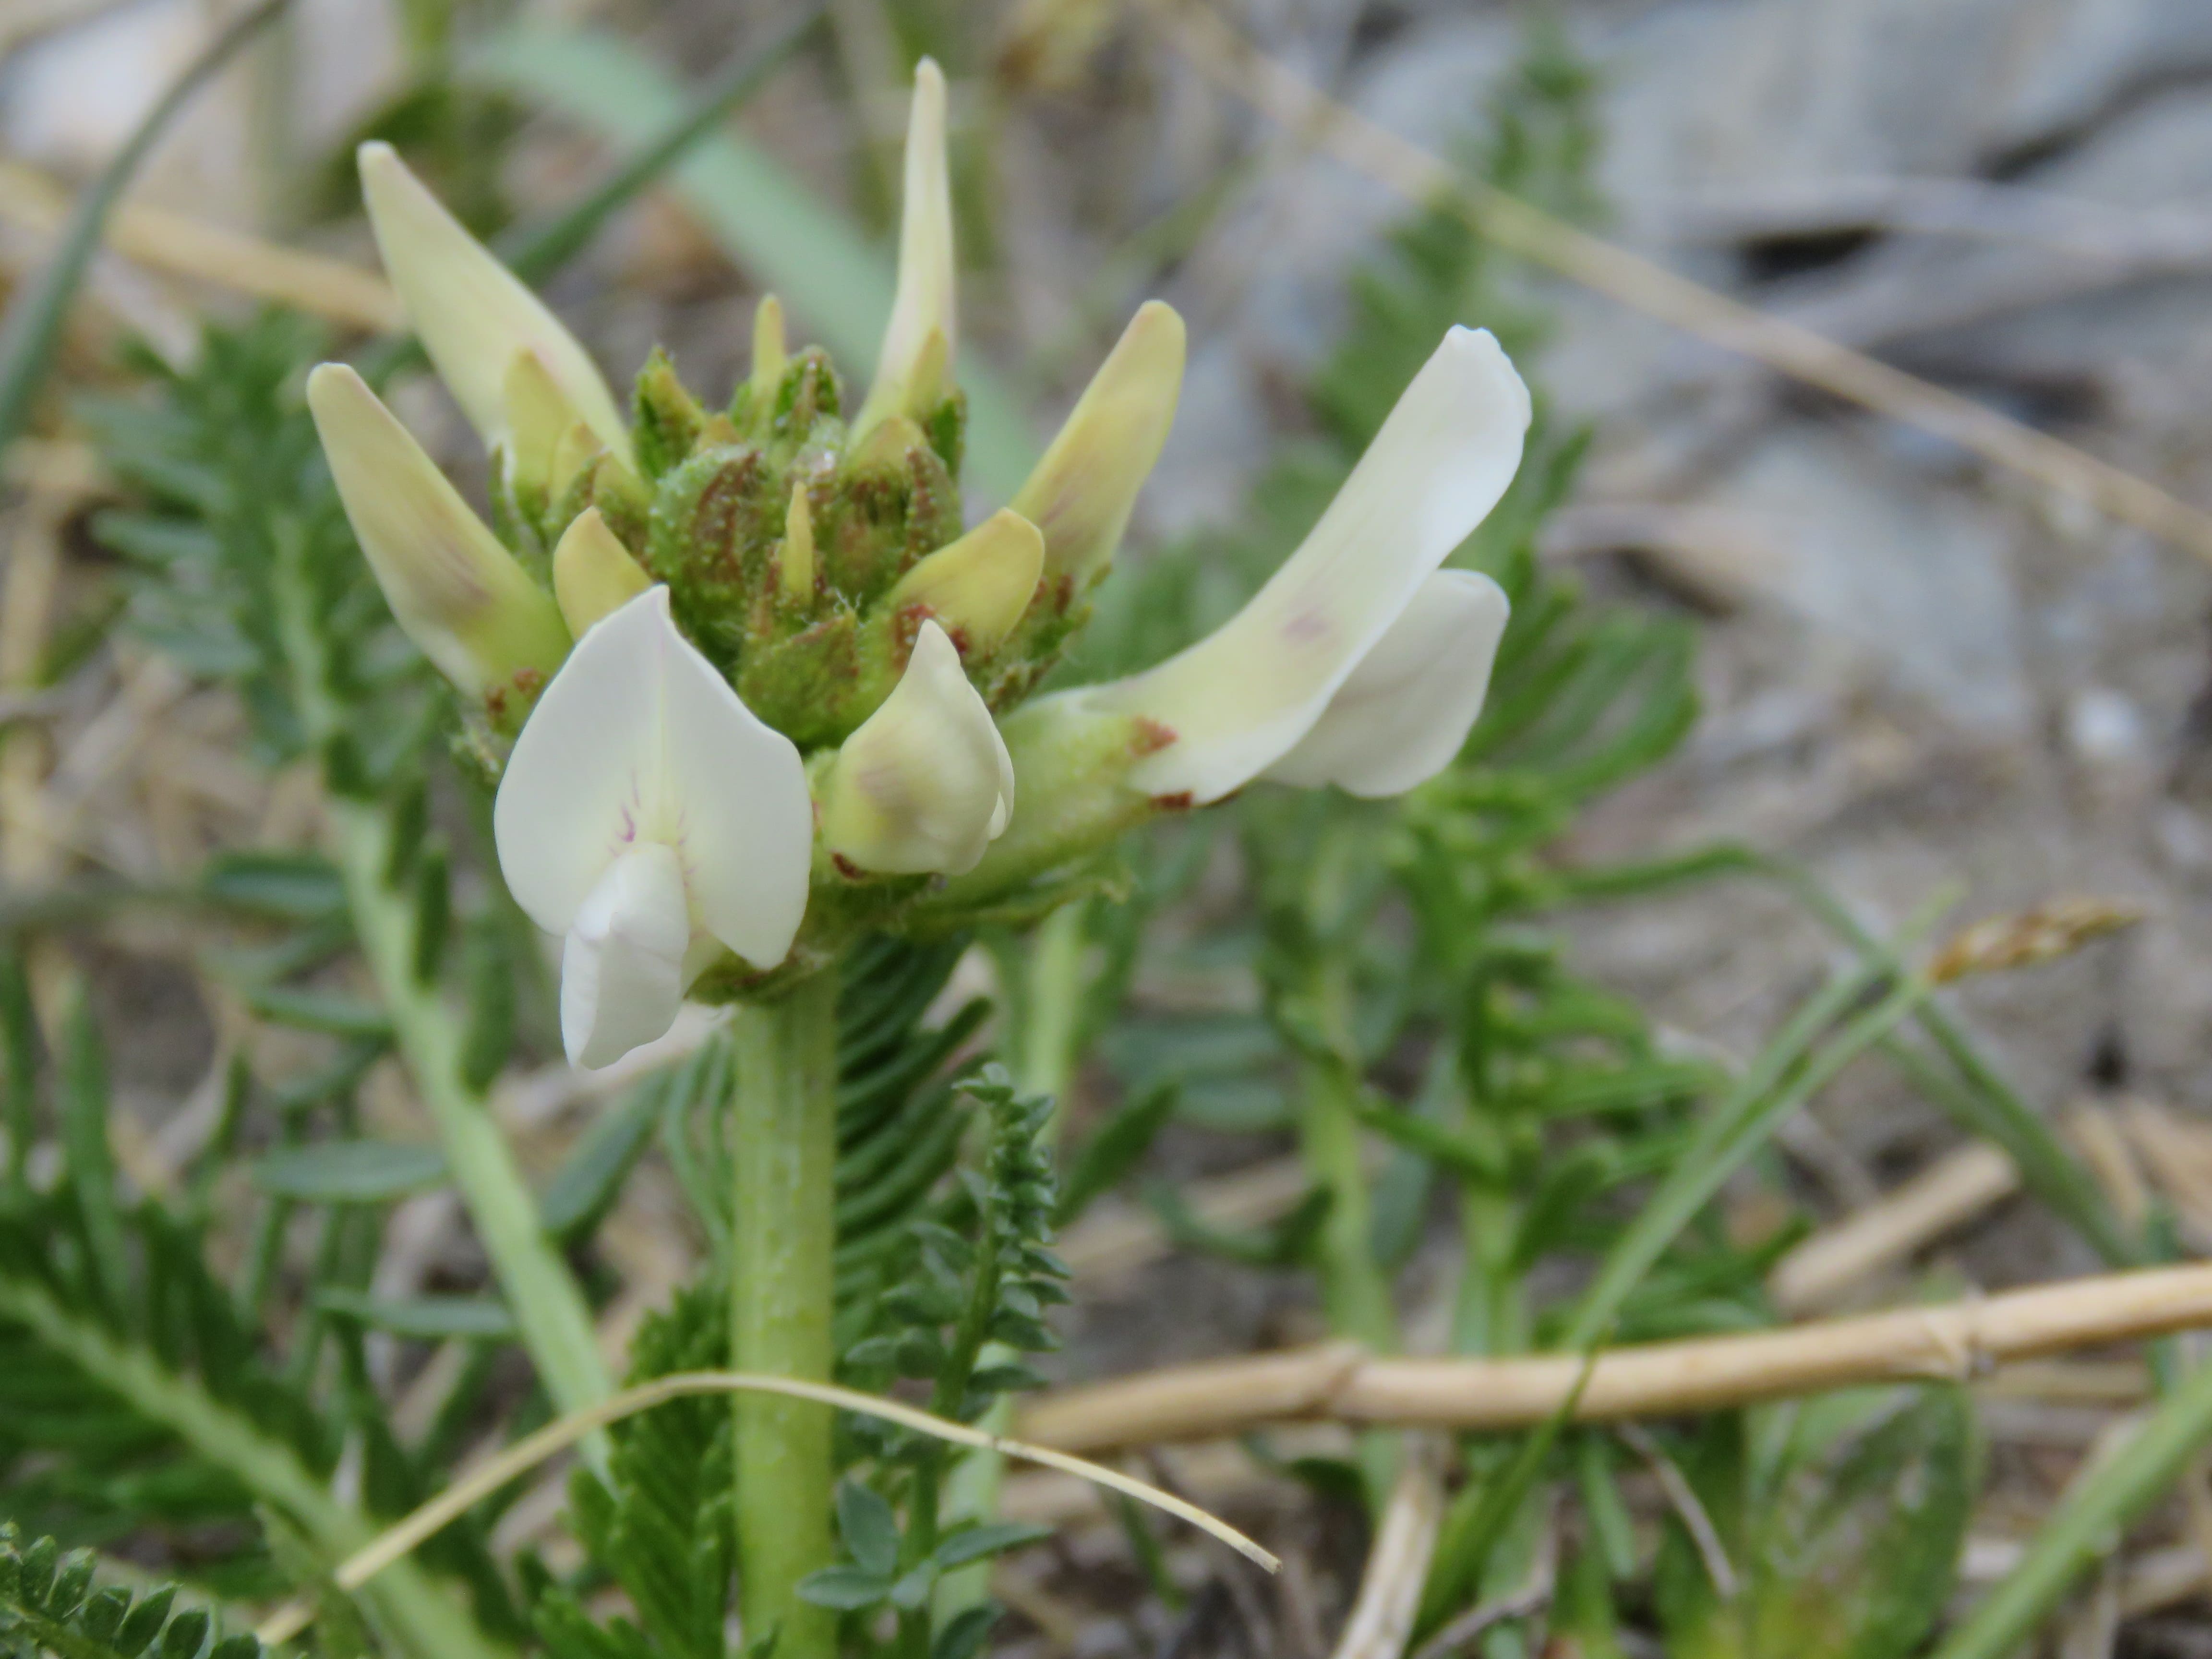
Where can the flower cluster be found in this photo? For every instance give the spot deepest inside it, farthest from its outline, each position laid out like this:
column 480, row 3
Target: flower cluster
column 751, row 685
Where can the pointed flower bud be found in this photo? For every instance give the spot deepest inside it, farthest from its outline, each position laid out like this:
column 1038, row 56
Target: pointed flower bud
column 924, row 301
column 538, row 415
column 1247, row 695
column 648, row 817
column 471, row 313
column 795, row 565
column 978, row 587
column 770, row 353
column 459, row 595
column 1081, row 493
column 926, row 784
column 593, row 574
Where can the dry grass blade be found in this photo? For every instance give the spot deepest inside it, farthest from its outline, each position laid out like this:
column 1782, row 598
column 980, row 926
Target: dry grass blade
column 1389, row 1599
column 1951, row 1192
column 2028, row 938
column 1687, row 1510
column 529, row 1452
column 1958, row 1341
column 178, row 245
column 1240, row 68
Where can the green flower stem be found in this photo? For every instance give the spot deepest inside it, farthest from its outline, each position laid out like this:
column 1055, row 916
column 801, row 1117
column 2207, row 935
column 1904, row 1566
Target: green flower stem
column 1052, row 1007
column 783, row 1139
column 423, row 1617
column 547, row 1302
column 1356, row 1296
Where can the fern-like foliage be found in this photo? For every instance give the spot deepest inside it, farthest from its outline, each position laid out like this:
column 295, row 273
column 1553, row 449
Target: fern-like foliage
column 982, row 1277
column 53, row 1602
column 661, row 1526
column 235, row 503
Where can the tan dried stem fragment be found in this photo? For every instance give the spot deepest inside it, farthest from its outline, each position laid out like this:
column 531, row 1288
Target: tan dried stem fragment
column 1958, row 1341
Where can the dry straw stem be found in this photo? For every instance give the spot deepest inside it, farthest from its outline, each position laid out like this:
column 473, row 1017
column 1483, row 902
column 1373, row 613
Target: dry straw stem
column 1957, row 1341
column 1389, row 1599
column 1945, row 1195
column 179, row 245
column 529, row 1452
column 1233, row 63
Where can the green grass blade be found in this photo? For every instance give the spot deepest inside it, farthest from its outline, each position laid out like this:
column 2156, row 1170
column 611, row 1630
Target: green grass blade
column 535, row 250
column 33, row 328
column 1767, row 1093
column 2086, row 1524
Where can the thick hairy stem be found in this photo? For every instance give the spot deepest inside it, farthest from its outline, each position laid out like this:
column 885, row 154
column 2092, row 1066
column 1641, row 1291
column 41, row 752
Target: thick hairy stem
column 783, row 1136
column 424, row 1618
column 547, row 1302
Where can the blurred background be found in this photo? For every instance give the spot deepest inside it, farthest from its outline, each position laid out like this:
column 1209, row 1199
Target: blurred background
column 1915, row 663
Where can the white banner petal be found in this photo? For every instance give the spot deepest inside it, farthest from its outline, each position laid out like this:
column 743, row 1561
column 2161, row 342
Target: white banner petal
column 637, row 740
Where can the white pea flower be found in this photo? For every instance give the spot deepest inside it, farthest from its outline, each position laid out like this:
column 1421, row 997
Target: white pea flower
column 926, row 784
column 650, row 820
column 1360, row 663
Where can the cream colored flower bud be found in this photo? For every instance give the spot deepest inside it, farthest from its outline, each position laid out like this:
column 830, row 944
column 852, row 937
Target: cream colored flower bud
column 924, row 301
column 593, row 574
column 1081, row 493
column 978, row 587
column 459, row 594
column 926, row 784
column 539, row 416
column 472, row 314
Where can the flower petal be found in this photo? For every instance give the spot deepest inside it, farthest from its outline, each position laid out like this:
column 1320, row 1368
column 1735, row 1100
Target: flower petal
column 622, row 966
column 459, row 594
column 924, row 301
column 593, row 574
column 978, row 586
column 1401, row 716
column 638, row 738
column 926, row 783
column 471, row 313
column 1080, row 494
column 1242, row 698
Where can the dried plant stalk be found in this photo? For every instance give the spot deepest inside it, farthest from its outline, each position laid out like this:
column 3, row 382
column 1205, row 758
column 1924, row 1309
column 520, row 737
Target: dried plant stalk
column 1233, row 64
column 1389, row 1599
column 1949, row 1192
column 1957, row 1341
column 181, row 245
